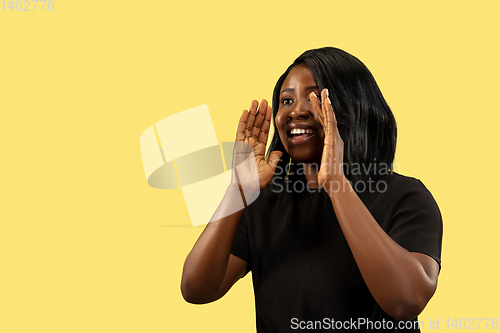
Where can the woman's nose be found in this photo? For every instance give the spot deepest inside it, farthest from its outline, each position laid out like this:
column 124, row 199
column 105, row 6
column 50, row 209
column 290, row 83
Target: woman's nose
column 301, row 109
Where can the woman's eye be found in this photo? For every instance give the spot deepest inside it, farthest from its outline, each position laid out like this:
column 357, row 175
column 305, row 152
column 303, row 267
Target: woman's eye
column 286, row 101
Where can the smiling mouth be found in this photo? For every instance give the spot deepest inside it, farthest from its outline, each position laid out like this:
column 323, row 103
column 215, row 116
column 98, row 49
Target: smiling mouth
column 298, row 133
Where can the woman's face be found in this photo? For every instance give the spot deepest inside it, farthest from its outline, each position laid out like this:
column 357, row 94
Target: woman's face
column 297, row 122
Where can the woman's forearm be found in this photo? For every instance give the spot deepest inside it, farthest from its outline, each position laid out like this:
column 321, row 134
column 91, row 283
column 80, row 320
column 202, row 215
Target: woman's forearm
column 209, row 270
column 396, row 278
column 205, row 266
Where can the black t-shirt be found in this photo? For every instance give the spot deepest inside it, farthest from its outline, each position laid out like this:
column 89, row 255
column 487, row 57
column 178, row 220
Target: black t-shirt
column 304, row 274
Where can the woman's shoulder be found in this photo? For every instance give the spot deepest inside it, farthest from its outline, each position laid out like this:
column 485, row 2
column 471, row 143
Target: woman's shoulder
column 393, row 188
column 400, row 183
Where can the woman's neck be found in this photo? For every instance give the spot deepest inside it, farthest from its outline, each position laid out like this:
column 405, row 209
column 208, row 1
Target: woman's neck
column 311, row 174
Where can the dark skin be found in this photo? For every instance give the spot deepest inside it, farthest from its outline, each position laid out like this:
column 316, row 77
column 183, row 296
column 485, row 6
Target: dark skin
column 400, row 281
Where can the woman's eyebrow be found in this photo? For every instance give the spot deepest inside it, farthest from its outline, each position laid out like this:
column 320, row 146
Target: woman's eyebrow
column 312, row 87
column 286, row 90
column 291, row 89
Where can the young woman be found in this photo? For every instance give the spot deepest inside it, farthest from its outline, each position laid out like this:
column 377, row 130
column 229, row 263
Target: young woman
column 336, row 239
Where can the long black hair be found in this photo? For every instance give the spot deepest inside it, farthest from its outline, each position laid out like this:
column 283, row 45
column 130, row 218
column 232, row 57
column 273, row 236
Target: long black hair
column 365, row 121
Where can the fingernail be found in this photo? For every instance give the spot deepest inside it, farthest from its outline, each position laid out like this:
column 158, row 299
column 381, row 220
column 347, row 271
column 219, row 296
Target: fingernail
column 327, row 93
column 328, row 100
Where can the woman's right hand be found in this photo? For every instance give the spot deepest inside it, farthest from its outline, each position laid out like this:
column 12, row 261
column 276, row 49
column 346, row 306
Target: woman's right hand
column 253, row 132
column 210, row 269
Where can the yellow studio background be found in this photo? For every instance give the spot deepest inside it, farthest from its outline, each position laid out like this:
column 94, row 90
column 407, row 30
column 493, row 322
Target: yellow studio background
column 87, row 246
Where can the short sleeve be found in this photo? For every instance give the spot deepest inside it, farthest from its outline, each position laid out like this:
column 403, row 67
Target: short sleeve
column 416, row 222
column 240, row 246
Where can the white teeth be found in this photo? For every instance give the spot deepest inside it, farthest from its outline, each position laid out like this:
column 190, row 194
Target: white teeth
column 301, row 131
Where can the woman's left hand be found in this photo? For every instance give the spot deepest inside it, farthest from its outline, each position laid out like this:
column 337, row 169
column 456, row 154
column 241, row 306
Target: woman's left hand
column 331, row 169
column 400, row 282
